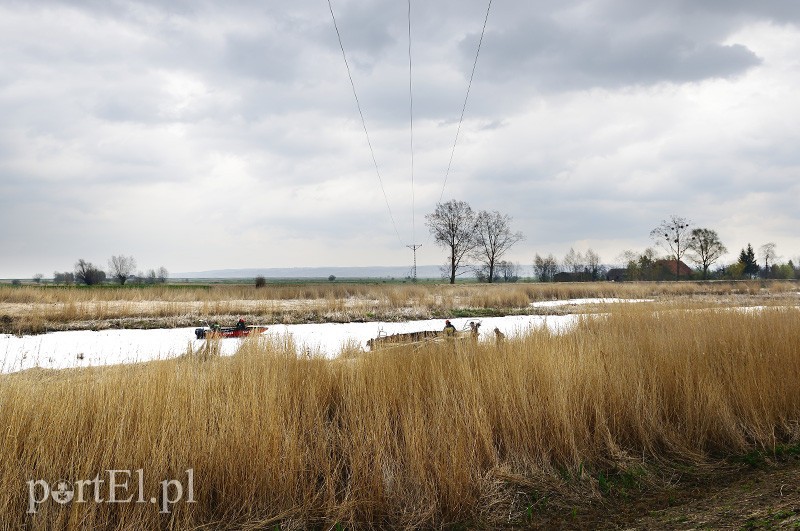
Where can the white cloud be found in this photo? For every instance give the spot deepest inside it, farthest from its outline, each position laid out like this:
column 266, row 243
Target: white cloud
column 164, row 130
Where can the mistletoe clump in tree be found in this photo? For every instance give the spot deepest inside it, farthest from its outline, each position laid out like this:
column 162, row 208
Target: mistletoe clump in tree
column 674, row 236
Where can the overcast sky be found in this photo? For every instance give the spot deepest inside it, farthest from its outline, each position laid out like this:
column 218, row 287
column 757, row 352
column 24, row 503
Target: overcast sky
column 203, row 135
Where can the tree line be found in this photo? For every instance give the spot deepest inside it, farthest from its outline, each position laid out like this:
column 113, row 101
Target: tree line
column 680, row 240
column 485, row 237
column 121, row 270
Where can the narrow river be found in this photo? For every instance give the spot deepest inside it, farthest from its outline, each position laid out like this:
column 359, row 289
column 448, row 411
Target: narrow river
column 60, row 350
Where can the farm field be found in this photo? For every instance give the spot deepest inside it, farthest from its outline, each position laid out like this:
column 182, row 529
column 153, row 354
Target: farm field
column 679, row 412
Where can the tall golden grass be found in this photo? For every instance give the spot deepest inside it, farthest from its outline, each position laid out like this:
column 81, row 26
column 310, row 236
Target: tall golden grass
column 463, row 433
column 41, row 308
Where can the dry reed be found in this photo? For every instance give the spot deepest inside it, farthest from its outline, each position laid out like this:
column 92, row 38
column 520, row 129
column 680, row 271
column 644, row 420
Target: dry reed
column 451, row 433
column 34, row 309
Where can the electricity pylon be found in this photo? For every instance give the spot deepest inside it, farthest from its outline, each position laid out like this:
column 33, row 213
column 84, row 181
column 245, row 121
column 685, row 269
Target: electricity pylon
column 414, row 248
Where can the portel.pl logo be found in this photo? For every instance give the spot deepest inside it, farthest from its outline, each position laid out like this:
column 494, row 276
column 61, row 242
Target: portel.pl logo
column 115, row 486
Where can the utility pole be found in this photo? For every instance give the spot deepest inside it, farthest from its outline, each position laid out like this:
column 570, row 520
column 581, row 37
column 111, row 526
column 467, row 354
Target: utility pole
column 414, row 248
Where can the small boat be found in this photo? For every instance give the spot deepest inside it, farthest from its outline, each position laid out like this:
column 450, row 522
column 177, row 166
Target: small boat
column 222, row 332
column 407, row 338
column 384, row 340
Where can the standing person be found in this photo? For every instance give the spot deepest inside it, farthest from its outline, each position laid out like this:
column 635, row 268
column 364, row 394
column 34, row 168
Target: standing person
column 449, row 329
column 473, row 326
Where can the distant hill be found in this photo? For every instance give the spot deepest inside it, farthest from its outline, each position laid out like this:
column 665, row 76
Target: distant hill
column 425, row 271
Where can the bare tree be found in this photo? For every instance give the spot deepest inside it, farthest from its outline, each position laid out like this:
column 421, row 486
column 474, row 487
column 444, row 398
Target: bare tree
column 593, row 266
column 674, row 236
column 573, row 262
column 87, row 273
column 627, row 256
column 707, row 248
column 640, row 266
column 545, row 268
column 452, row 226
column 507, row 271
column 493, row 238
column 163, row 274
column 121, row 267
column 63, row 278
column 37, row 278
column 767, row 252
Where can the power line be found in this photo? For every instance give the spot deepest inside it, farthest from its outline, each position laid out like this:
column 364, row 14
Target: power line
column 411, row 130
column 464, row 108
column 413, row 246
column 363, row 122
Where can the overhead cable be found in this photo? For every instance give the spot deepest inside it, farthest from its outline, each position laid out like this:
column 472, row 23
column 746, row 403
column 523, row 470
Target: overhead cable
column 464, row 108
column 411, row 128
column 363, row 122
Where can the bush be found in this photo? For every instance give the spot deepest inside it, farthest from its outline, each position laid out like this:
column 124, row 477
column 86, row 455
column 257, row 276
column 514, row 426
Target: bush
column 63, row 278
column 87, row 273
column 261, row 281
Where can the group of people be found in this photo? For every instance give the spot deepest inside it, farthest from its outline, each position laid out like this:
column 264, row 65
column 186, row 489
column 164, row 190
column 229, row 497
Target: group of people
column 450, row 330
column 240, row 325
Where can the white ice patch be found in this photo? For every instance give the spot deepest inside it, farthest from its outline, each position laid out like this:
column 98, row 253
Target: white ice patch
column 61, row 350
column 578, row 302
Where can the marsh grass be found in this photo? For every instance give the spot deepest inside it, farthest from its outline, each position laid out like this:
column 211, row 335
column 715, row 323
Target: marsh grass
column 455, row 433
column 34, row 309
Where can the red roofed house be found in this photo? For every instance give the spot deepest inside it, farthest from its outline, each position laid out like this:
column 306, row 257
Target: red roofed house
column 670, row 269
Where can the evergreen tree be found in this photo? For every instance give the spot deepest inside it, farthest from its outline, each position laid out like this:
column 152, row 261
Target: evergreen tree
column 748, row 260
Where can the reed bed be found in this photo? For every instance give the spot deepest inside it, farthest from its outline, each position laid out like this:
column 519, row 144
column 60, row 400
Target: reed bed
column 33, row 309
column 455, row 433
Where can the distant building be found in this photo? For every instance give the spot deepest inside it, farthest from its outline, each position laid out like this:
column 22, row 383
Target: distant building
column 667, row 269
column 565, row 276
column 658, row 270
column 618, row 274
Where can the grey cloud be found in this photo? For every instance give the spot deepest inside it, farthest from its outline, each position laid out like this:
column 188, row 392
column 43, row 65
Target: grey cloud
column 138, row 94
column 556, row 57
column 779, row 11
column 365, row 26
column 261, row 57
column 123, row 106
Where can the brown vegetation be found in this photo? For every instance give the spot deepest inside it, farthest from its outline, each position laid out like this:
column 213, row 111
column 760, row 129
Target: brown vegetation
column 33, row 309
column 468, row 433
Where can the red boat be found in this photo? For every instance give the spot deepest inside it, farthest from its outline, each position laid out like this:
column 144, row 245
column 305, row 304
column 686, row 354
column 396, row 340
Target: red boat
column 221, row 332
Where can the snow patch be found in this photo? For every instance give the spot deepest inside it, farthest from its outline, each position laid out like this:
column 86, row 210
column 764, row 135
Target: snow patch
column 62, row 350
column 578, row 302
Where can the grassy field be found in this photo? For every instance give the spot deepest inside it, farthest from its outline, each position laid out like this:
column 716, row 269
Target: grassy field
column 462, row 434
column 35, row 309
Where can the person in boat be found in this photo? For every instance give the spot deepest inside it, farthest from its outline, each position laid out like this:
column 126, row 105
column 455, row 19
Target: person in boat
column 449, row 329
column 498, row 335
column 241, row 325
